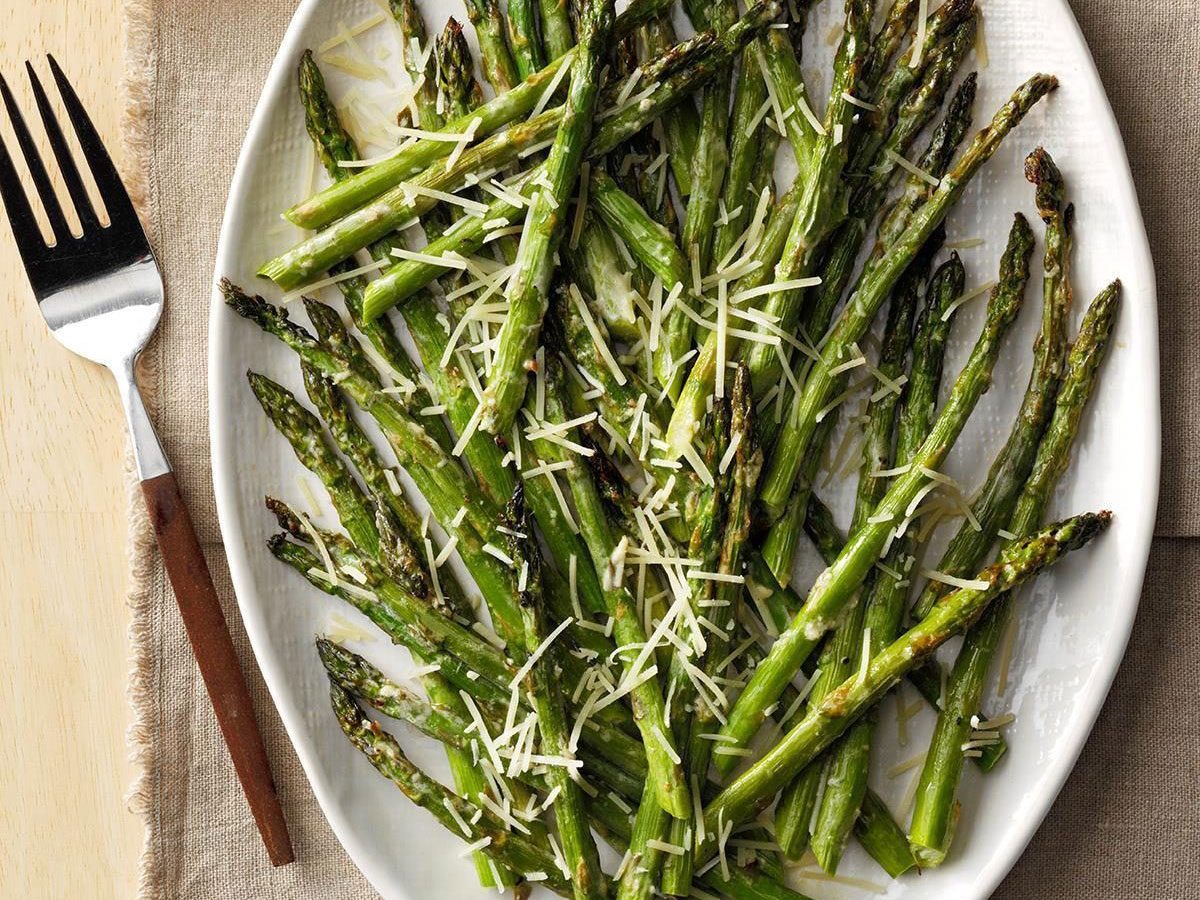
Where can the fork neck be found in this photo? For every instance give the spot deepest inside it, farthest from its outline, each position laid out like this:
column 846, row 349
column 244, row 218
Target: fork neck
column 148, row 453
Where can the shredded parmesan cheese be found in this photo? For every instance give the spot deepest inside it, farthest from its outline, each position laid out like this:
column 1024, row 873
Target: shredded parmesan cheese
column 918, row 47
column 911, row 168
column 968, row 296
column 974, row 584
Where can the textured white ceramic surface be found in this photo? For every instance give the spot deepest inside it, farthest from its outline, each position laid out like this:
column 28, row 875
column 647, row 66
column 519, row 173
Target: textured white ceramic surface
column 1073, row 624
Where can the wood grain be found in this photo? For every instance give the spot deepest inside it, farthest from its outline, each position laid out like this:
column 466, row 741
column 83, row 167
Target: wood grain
column 200, row 608
column 64, row 825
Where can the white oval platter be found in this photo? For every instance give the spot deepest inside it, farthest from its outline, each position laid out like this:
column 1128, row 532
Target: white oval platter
column 1074, row 623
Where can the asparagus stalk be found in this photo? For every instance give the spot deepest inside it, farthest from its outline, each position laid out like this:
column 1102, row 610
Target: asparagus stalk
column 884, row 604
column 681, row 125
column 837, row 584
column 684, row 704
column 762, row 178
column 443, row 483
column 822, row 725
column 949, row 33
column 794, row 814
column 861, row 309
column 412, row 55
column 745, row 143
column 362, row 679
column 598, row 268
column 467, row 660
column 353, row 508
column 471, row 545
column 780, row 545
column 579, row 850
column 846, row 780
column 878, row 832
column 421, row 314
column 528, row 293
column 652, row 245
column 462, row 95
column 823, row 203
column 526, row 46
column 886, row 42
column 408, row 620
column 405, row 202
column 617, row 405
column 464, row 238
column 712, row 149
column 993, row 503
column 648, row 240
column 746, row 463
column 646, row 698
column 330, row 139
column 777, row 58
column 499, row 65
column 333, row 334
column 355, row 511
column 681, row 490
column 640, row 868
column 933, row 816
column 458, row 94
column 693, row 398
column 846, row 777
column 868, row 198
column 358, row 448
column 842, row 652
column 400, row 559
column 556, row 27
column 455, row 73
column 446, row 373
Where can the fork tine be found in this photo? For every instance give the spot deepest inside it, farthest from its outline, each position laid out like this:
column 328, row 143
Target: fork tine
column 108, row 181
column 66, row 162
column 20, row 214
column 41, row 181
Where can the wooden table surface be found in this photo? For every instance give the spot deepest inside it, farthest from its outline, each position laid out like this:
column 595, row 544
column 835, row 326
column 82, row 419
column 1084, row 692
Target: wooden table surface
column 64, row 825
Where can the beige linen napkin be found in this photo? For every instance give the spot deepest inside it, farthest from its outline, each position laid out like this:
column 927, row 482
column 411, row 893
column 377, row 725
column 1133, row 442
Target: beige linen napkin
column 1125, row 826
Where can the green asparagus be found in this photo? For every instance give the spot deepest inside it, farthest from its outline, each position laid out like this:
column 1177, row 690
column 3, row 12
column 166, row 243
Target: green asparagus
column 837, row 584
column 822, row 725
column 861, row 308
column 993, row 503
column 931, row 828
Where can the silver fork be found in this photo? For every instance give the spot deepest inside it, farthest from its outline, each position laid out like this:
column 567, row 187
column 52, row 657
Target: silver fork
column 102, row 296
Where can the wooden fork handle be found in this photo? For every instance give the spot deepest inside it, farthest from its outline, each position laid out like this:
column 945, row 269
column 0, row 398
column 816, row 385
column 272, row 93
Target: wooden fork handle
column 213, row 647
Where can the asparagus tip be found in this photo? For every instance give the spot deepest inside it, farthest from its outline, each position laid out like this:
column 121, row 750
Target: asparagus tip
column 968, row 88
column 1042, row 172
column 255, row 309
column 284, row 515
column 956, row 11
column 277, row 544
